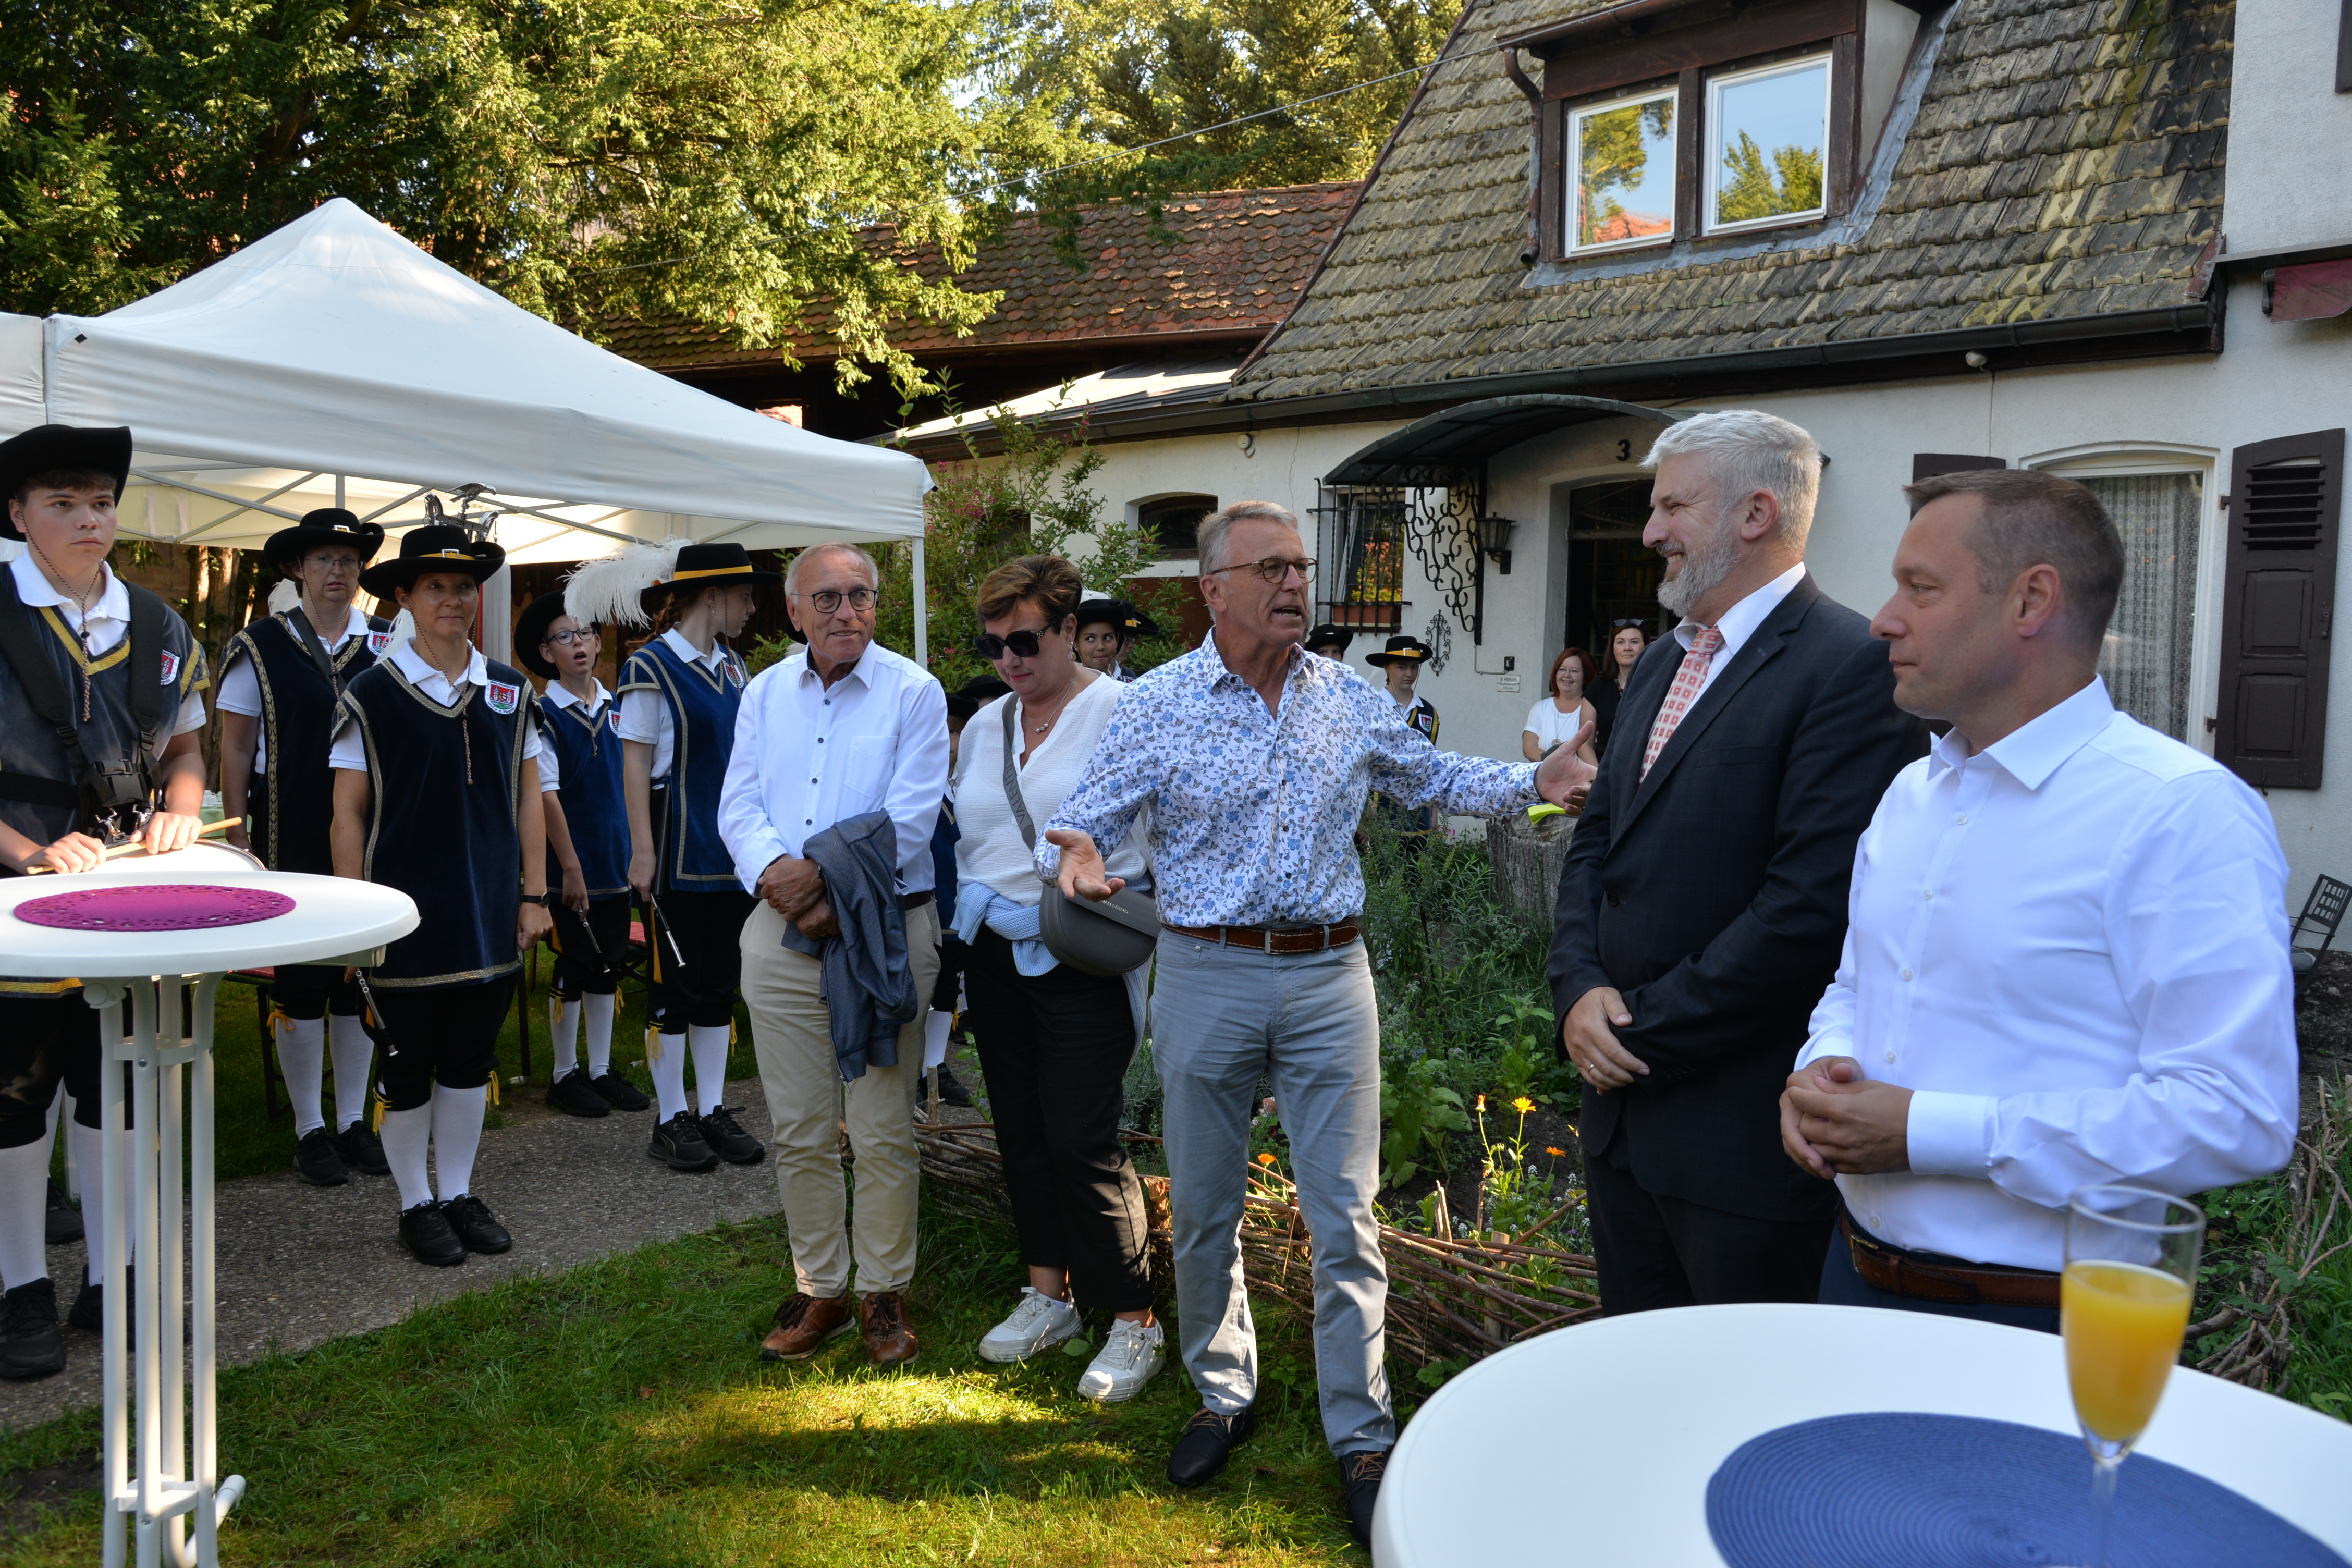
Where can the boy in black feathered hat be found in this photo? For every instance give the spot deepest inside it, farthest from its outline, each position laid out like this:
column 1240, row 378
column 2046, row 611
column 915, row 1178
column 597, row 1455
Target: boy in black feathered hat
column 281, row 679
column 99, row 707
column 435, row 755
column 587, row 853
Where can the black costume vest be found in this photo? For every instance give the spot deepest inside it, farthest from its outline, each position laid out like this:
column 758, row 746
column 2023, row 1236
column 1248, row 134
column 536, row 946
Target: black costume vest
column 292, row 806
column 445, row 781
column 588, row 760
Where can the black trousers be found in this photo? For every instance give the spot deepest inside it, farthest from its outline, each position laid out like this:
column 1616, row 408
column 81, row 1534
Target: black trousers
column 1055, row 1048
column 588, row 948
column 695, row 981
column 1841, row 1286
column 1655, row 1251
column 45, row 1041
column 313, row 990
column 448, row 1036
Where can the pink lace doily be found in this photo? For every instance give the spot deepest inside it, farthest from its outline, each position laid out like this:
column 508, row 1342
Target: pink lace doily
column 156, row 905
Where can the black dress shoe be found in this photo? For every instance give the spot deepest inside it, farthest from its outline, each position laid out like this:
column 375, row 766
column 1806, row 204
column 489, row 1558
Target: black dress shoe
column 575, row 1096
column 316, row 1158
column 679, row 1144
column 425, row 1231
column 951, row 1091
column 620, row 1093
column 1207, row 1441
column 361, row 1150
column 63, row 1222
column 469, row 1216
column 1360, row 1476
column 88, row 1310
column 726, row 1138
column 30, row 1346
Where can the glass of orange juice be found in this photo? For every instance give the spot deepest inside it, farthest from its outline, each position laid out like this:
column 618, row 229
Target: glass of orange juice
column 2131, row 1271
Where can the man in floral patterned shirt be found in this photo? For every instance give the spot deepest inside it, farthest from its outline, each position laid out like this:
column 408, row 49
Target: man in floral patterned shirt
column 1256, row 758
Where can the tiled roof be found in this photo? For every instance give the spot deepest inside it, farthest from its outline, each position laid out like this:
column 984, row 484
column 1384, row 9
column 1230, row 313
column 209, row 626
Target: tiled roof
column 1236, row 267
column 2066, row 161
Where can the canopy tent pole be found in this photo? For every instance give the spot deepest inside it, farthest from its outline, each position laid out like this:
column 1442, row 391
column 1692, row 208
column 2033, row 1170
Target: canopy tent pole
column 922, row 611
column 339, row 494
column 497, row 615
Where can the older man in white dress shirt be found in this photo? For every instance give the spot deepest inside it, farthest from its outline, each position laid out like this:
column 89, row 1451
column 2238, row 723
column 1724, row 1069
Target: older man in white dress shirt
column 2067, row 957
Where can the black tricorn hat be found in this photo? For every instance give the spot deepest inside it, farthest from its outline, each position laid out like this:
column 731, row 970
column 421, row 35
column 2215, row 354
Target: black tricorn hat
column 1331, row 631
column 1401, row 650
column 67, row 448
column 1131, row 622
column 531, row 630
column 433, row 547
column 326, row 525
column 701, row 566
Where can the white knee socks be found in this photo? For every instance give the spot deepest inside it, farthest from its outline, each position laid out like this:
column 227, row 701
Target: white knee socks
column 456, row 1135
column 23, row 1213
column 566, row 1052
column 667, row 1065
column 301, row 1058
column 600, row 1034
column 406, row 1135
column 355, row 1053
column 709, row 1045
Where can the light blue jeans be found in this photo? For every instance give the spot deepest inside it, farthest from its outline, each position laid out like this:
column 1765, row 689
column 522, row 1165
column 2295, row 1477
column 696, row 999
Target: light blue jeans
column 1221, row 1016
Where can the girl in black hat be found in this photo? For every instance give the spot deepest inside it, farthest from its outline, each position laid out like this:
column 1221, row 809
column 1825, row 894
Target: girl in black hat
column 678, row 697
column 1399, row 662
column 587, row 853
column 436, row 793
column 281, row 679
column 1106, row 629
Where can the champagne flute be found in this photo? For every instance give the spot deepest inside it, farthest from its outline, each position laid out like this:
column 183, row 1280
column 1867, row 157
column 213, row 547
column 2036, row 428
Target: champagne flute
column 2131, row 1273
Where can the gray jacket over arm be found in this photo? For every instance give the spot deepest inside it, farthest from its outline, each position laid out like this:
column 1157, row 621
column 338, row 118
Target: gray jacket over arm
column 869, row 982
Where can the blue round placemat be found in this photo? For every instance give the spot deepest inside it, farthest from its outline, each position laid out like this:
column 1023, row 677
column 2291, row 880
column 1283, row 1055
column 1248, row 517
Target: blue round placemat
column 1897, row 1489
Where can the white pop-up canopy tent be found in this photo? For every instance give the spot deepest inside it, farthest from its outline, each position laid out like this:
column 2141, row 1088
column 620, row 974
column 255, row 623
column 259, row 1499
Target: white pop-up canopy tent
column 332, row 362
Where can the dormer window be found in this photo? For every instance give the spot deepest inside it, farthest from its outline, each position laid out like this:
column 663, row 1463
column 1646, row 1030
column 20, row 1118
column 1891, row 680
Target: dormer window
column 1677, row 122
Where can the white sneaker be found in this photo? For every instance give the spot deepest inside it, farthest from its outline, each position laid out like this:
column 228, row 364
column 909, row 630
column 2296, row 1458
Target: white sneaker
column 1038, row 1323
column 1131, row 1357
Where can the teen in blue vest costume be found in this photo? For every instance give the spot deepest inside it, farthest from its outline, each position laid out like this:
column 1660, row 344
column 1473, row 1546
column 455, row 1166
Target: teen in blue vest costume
column 281, row 679
column 678, row 697
column 587, row 853
column 127, row 675
column 436, row 794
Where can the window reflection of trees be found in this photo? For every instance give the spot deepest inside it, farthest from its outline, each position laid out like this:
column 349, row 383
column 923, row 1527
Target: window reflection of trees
column 1613, row 148
column 1752, row 188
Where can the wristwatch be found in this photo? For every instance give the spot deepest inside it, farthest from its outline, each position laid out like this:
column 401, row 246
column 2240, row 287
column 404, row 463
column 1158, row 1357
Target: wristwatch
column 545, row 901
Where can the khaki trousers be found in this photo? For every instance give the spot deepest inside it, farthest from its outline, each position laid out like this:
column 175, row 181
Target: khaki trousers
column 792, row 1036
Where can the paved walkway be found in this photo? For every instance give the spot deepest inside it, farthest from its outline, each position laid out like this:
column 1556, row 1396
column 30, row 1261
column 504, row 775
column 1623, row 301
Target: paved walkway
column 300, row 1265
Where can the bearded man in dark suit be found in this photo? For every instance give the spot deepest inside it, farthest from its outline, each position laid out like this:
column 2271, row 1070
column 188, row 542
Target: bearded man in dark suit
column 1703, row 900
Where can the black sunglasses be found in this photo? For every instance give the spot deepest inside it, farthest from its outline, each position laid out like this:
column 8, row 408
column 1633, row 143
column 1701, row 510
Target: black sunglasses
column 1620, row 625
column 991, row 647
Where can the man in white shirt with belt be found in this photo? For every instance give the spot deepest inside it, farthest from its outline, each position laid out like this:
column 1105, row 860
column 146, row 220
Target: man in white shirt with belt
column 843, row 728
column 2067, row 956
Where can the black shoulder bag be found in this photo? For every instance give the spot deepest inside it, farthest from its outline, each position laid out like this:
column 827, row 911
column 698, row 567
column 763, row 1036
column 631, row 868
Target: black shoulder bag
column 1106, row 938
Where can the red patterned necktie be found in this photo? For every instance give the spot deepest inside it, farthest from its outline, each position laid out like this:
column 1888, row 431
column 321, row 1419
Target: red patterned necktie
column 1682, row 693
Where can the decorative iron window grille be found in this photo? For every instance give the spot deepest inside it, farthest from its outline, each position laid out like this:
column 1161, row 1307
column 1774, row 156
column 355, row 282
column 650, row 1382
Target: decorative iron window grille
column 1363, row 534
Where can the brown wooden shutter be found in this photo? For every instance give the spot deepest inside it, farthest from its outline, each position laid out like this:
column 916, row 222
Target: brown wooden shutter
column 1928, row 465
column 2278, row 601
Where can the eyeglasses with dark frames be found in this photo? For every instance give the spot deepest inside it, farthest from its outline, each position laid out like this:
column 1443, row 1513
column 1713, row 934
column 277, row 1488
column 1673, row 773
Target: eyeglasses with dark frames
column 576, row 635
column 1275, row 570
column 827, row 600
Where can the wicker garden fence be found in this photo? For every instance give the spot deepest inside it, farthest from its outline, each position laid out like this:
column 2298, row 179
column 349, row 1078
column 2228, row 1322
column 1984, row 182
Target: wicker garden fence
column 1449, row 1301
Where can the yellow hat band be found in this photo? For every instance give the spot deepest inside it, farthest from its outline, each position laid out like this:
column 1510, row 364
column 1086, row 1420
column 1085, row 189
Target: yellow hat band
column 713, row 572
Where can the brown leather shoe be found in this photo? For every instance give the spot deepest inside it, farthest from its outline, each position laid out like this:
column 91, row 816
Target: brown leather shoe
column 803, row 1324
column 889, row 1338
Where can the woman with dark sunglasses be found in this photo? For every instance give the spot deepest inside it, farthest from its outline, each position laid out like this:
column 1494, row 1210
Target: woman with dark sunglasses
column 1054, row 1043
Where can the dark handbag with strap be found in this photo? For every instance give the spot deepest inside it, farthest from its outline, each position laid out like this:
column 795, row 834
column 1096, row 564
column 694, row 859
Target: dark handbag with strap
column 1106, row 938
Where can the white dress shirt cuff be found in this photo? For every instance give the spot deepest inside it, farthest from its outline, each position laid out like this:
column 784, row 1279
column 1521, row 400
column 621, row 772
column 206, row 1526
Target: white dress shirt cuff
column 1950, row 1134
column 760, row 850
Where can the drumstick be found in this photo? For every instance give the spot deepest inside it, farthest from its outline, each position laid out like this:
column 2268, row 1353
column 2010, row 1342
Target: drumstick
column 222, row 826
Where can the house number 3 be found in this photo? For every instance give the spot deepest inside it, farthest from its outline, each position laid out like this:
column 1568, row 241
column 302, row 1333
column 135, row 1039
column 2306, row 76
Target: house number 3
column 1624, row 451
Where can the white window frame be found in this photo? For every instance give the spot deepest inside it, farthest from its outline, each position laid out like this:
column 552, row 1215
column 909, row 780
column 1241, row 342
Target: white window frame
column 1714, row 148
column 2128, row 459
column 1573, row 167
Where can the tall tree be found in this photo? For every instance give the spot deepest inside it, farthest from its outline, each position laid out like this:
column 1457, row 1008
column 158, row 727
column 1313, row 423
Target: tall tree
column 589, row 159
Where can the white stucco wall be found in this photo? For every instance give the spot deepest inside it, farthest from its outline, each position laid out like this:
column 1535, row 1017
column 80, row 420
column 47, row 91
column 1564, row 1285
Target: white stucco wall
column 2290, row 179
column 2275, row 379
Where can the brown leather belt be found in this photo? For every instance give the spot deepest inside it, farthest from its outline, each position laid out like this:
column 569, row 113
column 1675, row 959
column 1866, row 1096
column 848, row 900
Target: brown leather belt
column 914, row 900
column 1279, row 940
column 1931, row 1276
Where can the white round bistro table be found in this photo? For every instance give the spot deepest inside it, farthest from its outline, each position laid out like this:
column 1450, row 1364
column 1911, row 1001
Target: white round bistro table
column 1593, row 1444
column 332, row 921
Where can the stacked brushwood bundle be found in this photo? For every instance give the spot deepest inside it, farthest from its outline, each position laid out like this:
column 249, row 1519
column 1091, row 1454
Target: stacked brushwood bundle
column 1449, row 1299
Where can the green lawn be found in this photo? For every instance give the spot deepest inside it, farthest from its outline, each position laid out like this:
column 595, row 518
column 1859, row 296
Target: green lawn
column 619, row 1414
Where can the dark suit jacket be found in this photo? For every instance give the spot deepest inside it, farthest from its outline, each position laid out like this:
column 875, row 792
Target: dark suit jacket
column 1713, row 896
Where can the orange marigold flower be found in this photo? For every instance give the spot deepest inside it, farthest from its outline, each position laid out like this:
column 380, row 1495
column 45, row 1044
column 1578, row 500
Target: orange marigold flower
column 1482, row 1103
column 1523, row 1105
column 1265, row 1159
column 1555, row 1154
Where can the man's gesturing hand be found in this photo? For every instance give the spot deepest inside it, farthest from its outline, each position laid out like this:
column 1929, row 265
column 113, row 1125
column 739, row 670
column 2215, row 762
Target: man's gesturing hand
column 1835, row 1121
column 790, row 886
column 1563, row 778
column 1591, row 1045
column 1084, row 875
